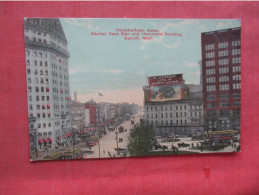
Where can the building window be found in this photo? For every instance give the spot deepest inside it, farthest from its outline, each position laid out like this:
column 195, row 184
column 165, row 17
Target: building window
column 223, row 53
column 210, row 55
column 211, row 97
column 236, row 85
column 224, row 113
column 223, row 45
column 236, row 103
column 224, row 104
column 236, row 112
column 235, row 43
column 210, row 71
column 236, row 68
column 209, row 47
column 223, row 62
column 28, row 71
column 223, row 70
column 211, row 105
column 236, row 96
column 224, row 79
column 29, row 89
column 224, row 87
column 210, row 63
column 235, row 52
column 236, row 77
column 224, row 96
column 210, row 80
column 236, row 60
column 211, row 88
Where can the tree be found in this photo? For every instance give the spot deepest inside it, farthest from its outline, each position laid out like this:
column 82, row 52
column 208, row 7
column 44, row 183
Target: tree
column 141, row 140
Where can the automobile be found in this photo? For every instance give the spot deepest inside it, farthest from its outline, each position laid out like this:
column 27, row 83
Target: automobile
column 164, row 147
column 183, row 145
column 157, row 146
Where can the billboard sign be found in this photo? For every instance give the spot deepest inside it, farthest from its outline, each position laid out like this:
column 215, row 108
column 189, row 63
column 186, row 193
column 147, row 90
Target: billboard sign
column 165, row 88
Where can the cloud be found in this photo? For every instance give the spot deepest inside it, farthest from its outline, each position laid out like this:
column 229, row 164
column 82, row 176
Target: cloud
column 146, row 56
column 140, row 72
column 111, row 71
column 86, row 23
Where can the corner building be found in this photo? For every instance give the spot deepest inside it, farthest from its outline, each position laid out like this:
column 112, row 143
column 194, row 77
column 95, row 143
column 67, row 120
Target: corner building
column 180, row 117
column 221, row 69
column 47, row 81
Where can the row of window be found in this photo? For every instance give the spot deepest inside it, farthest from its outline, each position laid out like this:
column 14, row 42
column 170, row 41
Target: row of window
column 223, row 70
column 223, row 104
column 224, row 96
column 43, row 107
column 223, row 113
column 36, row 54
column 223, row 87
column 180, row 114
column 222, row 45
column 37, row 72
column 225, row 61
column 178, row 122
column 222, row 53
column 177, row 107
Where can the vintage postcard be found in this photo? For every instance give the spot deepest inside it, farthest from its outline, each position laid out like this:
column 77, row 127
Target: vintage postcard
column 108, row 88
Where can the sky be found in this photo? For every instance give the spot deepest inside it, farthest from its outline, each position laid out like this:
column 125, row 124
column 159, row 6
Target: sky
column 118, row 68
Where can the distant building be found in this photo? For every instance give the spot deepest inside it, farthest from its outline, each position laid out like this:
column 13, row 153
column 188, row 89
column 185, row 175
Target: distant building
column 75, row 96
column 78, row 116
column 221, row 68
column 90, row 113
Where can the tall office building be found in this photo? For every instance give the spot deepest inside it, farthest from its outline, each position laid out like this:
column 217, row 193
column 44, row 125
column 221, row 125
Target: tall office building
column 221, row 69
column 47, row 81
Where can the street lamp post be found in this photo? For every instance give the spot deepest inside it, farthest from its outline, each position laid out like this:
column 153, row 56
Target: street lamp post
column 117, row 140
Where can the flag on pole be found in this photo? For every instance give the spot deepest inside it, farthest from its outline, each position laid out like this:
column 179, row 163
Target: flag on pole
column 100, row 94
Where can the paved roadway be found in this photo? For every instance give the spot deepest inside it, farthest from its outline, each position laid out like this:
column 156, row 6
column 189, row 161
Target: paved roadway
column 108, row 142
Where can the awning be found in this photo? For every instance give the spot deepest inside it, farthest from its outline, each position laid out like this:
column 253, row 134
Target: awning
column 50, row 139
column 88, row 129
column 65, row 136
column 46, row 140
column 69, row 134
column 40, row 141
column 95, row 128
column 59, row 138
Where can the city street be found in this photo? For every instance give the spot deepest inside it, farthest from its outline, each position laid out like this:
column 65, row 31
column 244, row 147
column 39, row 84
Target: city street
column 108, row 142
